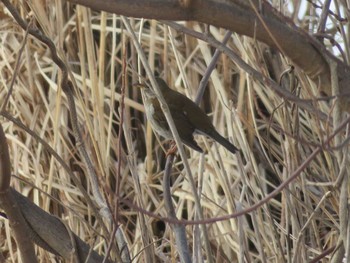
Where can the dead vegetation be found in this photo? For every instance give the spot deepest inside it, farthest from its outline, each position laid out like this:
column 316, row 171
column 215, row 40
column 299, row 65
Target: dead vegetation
column 280, row 137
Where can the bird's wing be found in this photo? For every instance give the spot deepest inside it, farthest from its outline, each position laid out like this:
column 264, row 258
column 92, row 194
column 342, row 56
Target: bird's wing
column 196, row 115
column 183, row 123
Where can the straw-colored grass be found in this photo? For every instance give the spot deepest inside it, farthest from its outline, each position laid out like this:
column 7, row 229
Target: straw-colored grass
column 275, row 137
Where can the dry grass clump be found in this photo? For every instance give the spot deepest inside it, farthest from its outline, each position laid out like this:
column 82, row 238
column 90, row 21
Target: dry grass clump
column 275, row 136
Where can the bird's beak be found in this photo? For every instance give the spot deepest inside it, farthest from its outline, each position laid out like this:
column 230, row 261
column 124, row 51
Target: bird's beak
column 138, row 85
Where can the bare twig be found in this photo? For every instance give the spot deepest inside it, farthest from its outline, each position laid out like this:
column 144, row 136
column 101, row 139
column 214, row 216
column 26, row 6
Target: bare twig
column 179, row 230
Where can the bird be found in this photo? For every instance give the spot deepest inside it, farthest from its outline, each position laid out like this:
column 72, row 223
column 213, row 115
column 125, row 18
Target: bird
column 188, row 117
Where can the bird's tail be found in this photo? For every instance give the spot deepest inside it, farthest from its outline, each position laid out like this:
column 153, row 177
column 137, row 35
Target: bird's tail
column 224, row 142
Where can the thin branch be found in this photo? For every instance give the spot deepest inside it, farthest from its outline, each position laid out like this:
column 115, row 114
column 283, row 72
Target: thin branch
column 179, row 230
column 263, row 201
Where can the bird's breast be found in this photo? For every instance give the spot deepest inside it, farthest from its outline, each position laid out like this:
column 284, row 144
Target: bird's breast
column 156, row 116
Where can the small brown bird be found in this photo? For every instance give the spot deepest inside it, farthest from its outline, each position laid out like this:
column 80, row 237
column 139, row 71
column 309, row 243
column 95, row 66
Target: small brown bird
column 189, row 119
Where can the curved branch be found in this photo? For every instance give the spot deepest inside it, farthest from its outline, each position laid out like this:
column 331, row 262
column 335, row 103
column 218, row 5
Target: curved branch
column 264, row 23
column 8, row 203
column 50, row 232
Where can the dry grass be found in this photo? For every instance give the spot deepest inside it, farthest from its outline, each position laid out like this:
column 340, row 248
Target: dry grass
column 275, row 137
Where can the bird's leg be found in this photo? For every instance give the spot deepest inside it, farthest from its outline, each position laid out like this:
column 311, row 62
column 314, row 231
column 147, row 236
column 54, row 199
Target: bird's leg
column 172, row 150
